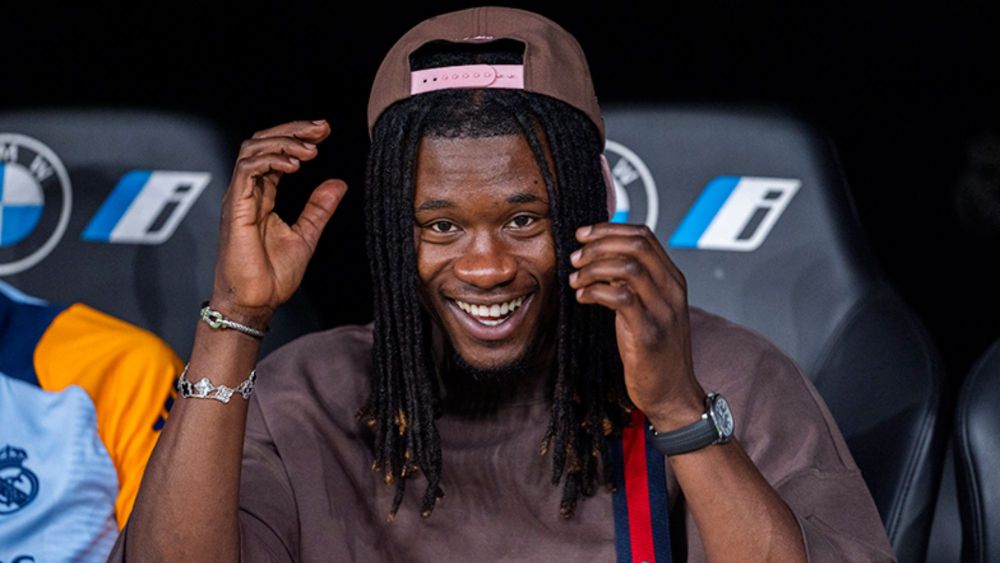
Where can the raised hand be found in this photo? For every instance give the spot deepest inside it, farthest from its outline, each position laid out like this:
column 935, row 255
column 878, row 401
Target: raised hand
column 624, row 268
column 261, row 258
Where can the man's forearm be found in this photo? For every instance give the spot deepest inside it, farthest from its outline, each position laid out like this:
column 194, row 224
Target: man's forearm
column 739, row 516
column 186, row 509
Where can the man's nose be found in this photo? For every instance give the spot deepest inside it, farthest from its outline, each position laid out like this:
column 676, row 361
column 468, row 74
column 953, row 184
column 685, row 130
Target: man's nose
column 486, row 263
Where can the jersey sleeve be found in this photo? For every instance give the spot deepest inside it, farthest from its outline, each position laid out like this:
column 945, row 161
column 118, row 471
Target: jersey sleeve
column 129, row 374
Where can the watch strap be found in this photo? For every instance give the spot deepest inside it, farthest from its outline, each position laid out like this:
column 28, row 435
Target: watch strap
column 692, row 437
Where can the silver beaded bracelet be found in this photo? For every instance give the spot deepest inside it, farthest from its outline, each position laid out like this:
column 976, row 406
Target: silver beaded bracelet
column 217, row 321
column 204, row 389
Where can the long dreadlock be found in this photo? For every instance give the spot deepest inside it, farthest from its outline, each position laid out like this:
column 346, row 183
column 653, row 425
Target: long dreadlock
column 589, row 398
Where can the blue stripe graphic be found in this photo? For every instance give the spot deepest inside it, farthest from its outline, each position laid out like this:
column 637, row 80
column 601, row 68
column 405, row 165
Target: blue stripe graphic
column 3, row 170
column 703, row 211
column 623, row 538
column 620, row 216
column 659, row 509
column 116, row 205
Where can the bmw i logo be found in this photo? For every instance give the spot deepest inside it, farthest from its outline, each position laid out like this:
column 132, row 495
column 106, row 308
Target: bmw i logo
column 35, row 202
column 635, row 191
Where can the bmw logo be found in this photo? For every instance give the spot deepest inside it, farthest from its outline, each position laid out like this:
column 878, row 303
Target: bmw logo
column 35, row 202
column 635, row 191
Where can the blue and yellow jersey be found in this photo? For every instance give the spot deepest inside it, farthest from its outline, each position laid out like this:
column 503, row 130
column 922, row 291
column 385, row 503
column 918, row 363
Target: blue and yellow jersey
column 82, row 398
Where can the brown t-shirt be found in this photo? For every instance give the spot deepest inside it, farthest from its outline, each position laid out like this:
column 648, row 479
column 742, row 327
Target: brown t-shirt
column 308, row 492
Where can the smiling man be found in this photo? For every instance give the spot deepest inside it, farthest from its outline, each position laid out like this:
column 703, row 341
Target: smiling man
column 534, row 386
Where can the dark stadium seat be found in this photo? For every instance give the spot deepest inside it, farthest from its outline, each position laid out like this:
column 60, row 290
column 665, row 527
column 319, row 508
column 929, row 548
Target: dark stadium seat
column 119, row 209
column 977, row 440
column 754, row 209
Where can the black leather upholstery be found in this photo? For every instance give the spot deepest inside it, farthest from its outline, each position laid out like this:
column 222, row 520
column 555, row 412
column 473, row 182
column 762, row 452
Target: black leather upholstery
column 945, row 541
column 809, row 283
column 126, row 263
column 977, row 440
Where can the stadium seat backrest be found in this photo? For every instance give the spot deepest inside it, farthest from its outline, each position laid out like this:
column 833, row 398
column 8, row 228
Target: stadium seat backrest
column 754, row 209
column 977, row 439
column 118, row 209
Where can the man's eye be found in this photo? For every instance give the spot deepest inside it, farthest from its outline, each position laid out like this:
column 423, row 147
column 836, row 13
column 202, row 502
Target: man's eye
column 522, row 221
column 442, row 226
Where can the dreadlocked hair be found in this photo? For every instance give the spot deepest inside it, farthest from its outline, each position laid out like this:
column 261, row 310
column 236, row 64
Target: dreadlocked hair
column 590, row 402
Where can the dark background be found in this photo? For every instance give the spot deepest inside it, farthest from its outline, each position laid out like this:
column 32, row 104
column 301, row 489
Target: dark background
column 908, row 93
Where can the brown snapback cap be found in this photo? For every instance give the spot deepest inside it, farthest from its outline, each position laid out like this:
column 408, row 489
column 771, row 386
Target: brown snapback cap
column 554, row 63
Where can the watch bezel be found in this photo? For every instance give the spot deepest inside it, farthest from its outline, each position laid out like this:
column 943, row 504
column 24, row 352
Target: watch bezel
column 711, row 402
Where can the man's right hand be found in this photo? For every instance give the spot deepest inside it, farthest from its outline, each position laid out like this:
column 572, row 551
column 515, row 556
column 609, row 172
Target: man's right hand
column 261, row 258
column 260, row 264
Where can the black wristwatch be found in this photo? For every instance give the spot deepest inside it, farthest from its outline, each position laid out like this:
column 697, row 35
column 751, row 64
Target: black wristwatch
column 714, row 427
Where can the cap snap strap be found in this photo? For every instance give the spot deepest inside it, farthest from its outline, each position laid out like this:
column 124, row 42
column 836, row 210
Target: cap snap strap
column 467, row 76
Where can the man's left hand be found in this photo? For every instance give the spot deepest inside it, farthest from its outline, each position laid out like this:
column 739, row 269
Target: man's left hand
column 624, row 268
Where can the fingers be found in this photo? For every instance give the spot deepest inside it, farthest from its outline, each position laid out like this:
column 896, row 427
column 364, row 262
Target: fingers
column 618, row 283
column 642, row 318
column 273, row 152
column 622, row 266
column 323, row 202
column 638, row 253
column 266, row 163
column 589, row 233
column 309, row 131
column 616, row 270
column 636, row 240
column 248, row 169
column 615, row 297
column 290, row 146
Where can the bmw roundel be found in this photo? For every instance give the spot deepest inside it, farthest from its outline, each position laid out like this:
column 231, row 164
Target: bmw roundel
column 636, row 200
column 35, row 202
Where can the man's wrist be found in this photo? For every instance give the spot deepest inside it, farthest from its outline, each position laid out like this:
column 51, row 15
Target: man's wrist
column 257, row 317
column 714, row 426
column 680, row 412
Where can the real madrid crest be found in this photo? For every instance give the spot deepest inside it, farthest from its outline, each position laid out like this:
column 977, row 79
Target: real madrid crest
column 18, row 484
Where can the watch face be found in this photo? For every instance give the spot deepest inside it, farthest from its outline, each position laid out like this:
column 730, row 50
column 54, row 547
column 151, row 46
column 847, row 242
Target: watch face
column 723, row 417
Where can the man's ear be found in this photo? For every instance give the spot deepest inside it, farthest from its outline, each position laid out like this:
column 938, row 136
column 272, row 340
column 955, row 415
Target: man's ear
column 609, row 186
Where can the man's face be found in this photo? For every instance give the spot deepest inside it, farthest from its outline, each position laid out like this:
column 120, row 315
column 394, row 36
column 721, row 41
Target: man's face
column 485, row 252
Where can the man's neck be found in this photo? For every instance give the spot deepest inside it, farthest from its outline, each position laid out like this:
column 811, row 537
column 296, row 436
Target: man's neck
column 466, row 395
column 465, row 391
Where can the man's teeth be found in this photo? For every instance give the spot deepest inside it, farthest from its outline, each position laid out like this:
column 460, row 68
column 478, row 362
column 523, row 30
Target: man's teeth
column 491, row 315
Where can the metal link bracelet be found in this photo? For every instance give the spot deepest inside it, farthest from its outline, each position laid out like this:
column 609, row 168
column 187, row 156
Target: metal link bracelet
column 204, row 389
column 217, row 321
